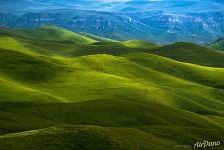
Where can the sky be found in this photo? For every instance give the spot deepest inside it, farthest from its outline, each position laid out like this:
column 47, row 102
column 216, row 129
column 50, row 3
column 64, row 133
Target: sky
column 112, row 5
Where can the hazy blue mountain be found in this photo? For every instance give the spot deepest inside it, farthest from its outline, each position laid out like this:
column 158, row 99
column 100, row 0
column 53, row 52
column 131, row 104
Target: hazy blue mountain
column 161, row 21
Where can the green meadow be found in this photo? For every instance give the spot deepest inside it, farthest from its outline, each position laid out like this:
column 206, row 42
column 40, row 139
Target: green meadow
column 64, row 90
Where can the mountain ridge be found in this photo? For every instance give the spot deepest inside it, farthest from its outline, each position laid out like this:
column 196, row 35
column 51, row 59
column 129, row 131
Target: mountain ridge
column 159, row 27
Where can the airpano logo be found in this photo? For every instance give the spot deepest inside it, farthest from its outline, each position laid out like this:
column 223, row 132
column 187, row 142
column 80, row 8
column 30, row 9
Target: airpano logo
column 205, row 144
column 202, row 144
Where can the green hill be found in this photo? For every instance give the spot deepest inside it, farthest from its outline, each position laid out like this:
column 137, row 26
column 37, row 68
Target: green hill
column 207, row 76
column 94, row 137
column 56, row 33
column 191, row 53
column 54, row 41
column 62, row 94
column 97, row 38
column 139, row 44
column 48, row 33
column 217, row 45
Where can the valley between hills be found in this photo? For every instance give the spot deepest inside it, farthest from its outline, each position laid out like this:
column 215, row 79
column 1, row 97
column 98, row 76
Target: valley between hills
column 64, row 90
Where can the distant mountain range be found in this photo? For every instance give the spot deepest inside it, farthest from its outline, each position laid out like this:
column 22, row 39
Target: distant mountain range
column 153, row 26
column 157, row 21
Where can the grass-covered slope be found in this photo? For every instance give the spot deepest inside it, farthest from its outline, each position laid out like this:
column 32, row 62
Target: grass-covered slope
column 97, row 38
column 50, row 40
column 49, row 33
column 139, row 44
column 95, row 138
column 191, row 53
column 217, row 45
column 58, row 94
column 200, row 74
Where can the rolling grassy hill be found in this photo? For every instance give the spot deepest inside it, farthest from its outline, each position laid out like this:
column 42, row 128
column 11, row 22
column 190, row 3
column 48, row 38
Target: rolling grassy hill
column 139, row 44
column 191, row 53
column 217, row 45
column 97, row 38
column 49, row 33
column 63, row 93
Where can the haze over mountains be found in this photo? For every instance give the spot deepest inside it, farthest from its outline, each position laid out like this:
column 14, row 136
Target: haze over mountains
column 160, row 21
